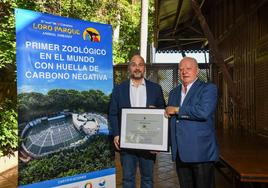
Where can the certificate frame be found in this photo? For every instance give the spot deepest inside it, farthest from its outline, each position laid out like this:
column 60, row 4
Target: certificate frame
column 144, row 129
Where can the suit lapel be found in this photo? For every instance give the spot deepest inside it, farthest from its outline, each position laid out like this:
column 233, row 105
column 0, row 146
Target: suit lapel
column 191, row 92
column 175, row 99
column 148, row 92
column 178, row 99
column 126, row 93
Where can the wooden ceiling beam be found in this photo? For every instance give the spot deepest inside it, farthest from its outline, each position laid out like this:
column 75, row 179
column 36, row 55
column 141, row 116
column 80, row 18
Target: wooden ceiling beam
column 215, row 51
column 156, row 36
column 183, row 39
column 177, row 18
column 192, row 42
column 167, row 16
column 196, row 30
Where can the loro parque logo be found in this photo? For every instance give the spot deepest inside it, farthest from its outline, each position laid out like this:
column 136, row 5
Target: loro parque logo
column 88, row 185
column 91, row 34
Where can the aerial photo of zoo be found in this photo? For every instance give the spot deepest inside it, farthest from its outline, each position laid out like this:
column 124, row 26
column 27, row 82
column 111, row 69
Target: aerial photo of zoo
column 45, row 135
column 63, row 133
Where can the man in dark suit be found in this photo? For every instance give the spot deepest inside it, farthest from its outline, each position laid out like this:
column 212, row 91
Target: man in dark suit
column 135, row 92
column 191, row 108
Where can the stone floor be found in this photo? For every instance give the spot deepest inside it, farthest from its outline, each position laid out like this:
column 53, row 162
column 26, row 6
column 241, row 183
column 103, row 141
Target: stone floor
column 165, row 174
column 8, row 179
column 164, row 177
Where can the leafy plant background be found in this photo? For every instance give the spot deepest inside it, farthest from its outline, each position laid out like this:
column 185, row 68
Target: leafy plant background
column 122, row 14
column 8, row 130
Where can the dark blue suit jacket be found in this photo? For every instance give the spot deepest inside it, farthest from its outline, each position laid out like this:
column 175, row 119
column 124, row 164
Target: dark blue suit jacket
column 121, row 99
column 192, row 129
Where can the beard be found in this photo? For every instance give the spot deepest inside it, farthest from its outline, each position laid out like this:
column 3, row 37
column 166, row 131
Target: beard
column 136, row 75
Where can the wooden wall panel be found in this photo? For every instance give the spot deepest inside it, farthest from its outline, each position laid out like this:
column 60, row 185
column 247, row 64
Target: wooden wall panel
column 245, row 39
column 261, row 87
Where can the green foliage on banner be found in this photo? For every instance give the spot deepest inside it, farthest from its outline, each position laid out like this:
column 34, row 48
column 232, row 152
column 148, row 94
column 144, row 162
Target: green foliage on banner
column 92, row 156
column 33, row 105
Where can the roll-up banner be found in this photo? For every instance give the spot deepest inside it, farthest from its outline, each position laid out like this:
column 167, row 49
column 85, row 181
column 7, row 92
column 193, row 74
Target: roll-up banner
column 64, row 81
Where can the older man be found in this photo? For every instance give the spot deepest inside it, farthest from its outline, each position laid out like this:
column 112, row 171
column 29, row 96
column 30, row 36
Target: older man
column 135, row 92
column 191, row 108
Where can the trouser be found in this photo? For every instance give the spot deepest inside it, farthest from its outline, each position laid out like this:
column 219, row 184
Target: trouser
column 195, row 175
column 129, row 162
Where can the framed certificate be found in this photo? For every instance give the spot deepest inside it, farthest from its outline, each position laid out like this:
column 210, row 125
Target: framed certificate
column 144, row 128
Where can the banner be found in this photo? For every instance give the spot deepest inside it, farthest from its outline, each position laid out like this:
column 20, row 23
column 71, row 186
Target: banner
column 64, row 80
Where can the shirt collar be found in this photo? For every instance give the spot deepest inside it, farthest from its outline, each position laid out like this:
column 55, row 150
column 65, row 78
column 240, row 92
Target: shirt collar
column 142, row 82
column 190, row 85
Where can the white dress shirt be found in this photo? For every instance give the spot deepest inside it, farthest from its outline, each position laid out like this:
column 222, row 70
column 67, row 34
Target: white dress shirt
column 183, row 95
column 138, row 96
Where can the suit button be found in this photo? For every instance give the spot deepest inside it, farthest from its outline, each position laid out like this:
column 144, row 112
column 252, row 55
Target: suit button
column 177, row 121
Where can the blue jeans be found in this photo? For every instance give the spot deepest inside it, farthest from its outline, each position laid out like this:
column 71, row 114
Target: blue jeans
column 130, row 160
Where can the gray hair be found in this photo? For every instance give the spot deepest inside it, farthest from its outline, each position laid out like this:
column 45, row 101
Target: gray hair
column 190, row 59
